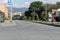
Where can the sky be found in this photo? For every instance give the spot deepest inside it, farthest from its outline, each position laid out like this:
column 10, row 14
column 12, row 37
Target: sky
column 26, row 3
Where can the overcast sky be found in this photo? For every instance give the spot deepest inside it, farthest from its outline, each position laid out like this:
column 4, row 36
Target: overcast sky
column 26, row 3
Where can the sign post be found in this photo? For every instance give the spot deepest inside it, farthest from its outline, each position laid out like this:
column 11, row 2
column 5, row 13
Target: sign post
column 10, row 4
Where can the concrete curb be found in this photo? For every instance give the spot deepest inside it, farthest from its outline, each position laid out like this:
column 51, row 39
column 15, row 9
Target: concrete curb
column 7, row 23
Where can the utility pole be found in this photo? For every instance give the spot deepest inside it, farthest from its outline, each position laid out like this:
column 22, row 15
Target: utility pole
column 46, row 10
column 11, row 12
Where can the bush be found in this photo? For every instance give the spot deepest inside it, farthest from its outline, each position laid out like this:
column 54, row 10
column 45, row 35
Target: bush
column 44, row 17
column 16, row 17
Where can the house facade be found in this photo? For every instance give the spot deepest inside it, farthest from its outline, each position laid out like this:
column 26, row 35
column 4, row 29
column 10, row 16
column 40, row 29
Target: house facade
column 4, row 9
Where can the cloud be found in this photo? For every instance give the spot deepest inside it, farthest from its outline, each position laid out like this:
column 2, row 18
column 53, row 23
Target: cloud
column 4, row 1
column 25, row 4
column 1, row 1
column 16, row 5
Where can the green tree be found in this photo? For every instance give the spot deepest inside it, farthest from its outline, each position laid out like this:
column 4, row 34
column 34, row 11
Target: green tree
column 34, row 16
column 50, row 7
column 28, row 14
column 58, row 4
column 36, row 7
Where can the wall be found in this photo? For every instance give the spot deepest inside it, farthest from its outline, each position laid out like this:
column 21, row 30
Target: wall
column 4, row 9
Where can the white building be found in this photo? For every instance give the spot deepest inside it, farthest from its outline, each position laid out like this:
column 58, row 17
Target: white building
column 18, row 13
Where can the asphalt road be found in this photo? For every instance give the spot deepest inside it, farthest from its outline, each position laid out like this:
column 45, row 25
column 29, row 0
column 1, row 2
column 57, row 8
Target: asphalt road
column 29, row 31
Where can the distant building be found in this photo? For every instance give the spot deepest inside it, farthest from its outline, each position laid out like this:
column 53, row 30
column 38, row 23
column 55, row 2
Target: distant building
column 4, row 9
column 54, row 11
column 56, row 14
column 18, row 13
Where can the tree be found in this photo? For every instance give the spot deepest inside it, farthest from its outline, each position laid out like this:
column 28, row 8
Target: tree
column 28, row 14
column 36, row 7
column 50, row 7
column 34, row 16
column 58, row 4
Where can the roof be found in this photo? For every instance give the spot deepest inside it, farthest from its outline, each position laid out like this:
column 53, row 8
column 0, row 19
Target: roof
column 58, row 9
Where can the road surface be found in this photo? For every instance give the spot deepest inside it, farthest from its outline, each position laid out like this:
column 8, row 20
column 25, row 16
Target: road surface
column 29, row 31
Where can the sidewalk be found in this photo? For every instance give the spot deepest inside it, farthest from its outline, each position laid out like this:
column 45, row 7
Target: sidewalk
column 7, row 23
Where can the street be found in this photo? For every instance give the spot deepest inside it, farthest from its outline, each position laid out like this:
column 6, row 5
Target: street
column 24, row 30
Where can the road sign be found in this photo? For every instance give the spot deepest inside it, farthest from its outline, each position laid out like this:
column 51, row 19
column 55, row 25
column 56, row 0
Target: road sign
column 9, row 2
